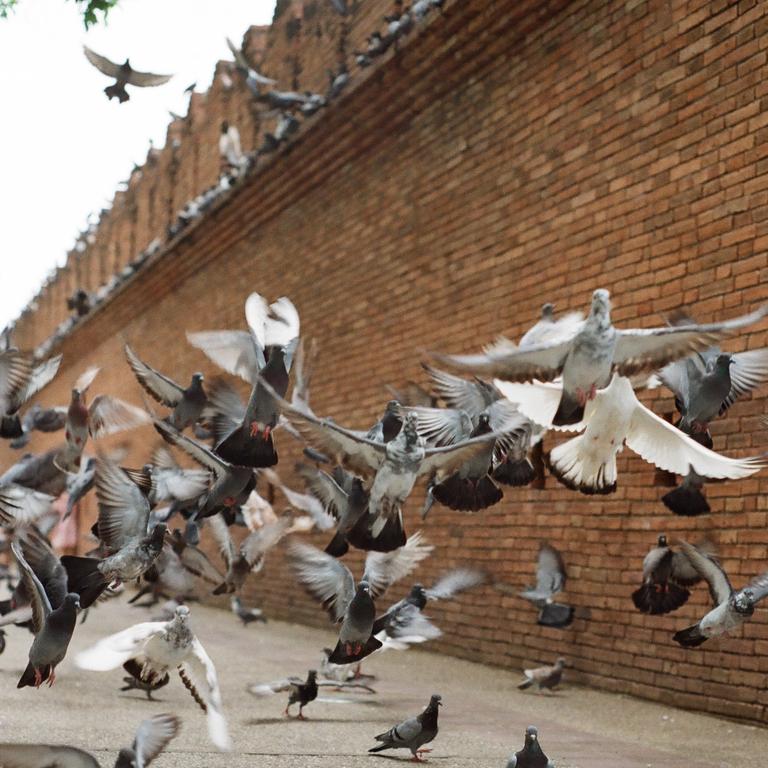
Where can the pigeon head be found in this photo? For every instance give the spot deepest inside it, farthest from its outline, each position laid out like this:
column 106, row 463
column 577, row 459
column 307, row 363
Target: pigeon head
column 548, row 311
column 311, row 675
column 561, row 662
column 198, row 378
column 364, row 588
column 392, row 408
column 436, row 700
column 72, row 600
column 662, row 542
column 224, row 126
column 601, row 304
column 723, row 362
column 744, row 602
column 181, row 612
column 419, row 595
column 531, row 734
column 157, row 536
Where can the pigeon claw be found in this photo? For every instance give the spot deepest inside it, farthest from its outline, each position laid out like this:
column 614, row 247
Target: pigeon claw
column 38, row 678
column 52, row 678
column 255, row 428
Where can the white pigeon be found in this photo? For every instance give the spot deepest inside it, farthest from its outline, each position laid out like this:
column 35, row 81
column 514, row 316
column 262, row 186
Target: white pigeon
column 155, row 647
column 588, row 462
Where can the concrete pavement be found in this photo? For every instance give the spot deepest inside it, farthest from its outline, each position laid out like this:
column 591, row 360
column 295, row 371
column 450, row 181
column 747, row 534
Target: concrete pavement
column 481, row 723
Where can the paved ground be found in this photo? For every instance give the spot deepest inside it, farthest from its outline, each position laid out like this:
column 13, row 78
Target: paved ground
column 482, row 720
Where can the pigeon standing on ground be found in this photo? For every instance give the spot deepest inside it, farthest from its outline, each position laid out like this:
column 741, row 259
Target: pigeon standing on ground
column 149, row 650
column 531, row 755
column 53, row 627
column 587, row 359
column 731, row 608
column 124, row 74
column 152, row 737
column 412, row 733
column 550, row 579
column 131, row 683
column 301, row 693
column 666, row 577
column 246, row 615
column 544, row 678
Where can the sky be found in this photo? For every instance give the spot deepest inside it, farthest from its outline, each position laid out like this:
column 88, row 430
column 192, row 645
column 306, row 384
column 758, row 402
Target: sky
column 64, row 147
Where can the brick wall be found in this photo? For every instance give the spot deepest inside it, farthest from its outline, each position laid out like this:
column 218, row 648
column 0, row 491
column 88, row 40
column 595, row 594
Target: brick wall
column 510, row 153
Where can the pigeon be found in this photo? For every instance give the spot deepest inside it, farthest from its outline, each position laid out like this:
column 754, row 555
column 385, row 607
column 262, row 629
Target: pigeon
column 304, row 502
column 666, row 577
column 253, row 78
column 80, row 484
column 53, row 627
column 731, row 608
column 544, row 678
column 152, row 737
column 549, row 330
column 688, row 498
column 80, row 302
column 550, row 579
column 41, row 420
column 187, row 404
column 151, row 649
column 587, row 359
column 231, row 485
column 39, row 472
column 531, row 755
column 331, row 582
column 105, row 416
column 130, row 549
column 615, row 416
column 412, row 733
column 246, row 615
column 301, row 693
column 229, row 146
column 131, row 683
column 20, row 380
column 124, row 75
column 21, row 507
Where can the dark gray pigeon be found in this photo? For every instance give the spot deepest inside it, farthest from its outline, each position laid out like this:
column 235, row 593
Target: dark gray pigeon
column 299, row 692
column 124, row 74
column 39, row 419
column 544, row 678
column 688, row 499
column 246, row 615
column 412, row 733
column 587, row 360
column 550, row 579
column 731, row 608
column 187, row 404
column 135, row 683
column 666, row 577
column 53, row 627
column 152, row 737
column 531, row 755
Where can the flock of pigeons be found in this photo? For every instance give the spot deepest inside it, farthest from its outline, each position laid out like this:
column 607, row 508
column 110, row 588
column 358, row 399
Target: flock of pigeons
column 581, row 374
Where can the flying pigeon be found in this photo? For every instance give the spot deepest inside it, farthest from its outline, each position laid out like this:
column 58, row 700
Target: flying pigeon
column 21, row 506
column 412, row 733
column 152, row 737
column 20, row 380
column 550, row 579
column 544, row 678
column 587, row 359
column 688, row 498
column 301, row 693
column 549, row 329
column 39, row 419
column 124, row 75
column 152, row 649
column 331, row 582
column 731, row 608
column 615, row 416
column 53, row 627
column 187, row 404
column 246, row 615
column 530, row 756
column 37, row 471
column 303, row 502
column 253, row 78
column 666, row 577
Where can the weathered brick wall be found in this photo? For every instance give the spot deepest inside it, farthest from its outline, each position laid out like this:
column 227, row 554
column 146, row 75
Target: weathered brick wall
column 511, row 153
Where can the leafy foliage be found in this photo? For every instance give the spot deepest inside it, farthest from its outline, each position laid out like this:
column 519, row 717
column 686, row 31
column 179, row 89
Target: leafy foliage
column 90, row 9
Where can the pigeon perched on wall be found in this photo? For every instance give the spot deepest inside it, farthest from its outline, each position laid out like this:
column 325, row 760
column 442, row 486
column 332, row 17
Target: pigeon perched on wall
column 53, row 627
column 544, row 678
column 615, row 416
column 124, row 74
column 731, row 608
column 158, row 647
column 550, row 579
column 152, row 737
column 349, row 605
column 531, row 755
column 187, row 404
column 412, row 733
column 587, row 360
column 666, row 577
column 301, row 693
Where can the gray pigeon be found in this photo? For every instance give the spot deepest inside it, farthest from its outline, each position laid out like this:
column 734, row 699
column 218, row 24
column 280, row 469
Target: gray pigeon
column 299, row 692
column 544, row 678
column 550, row 579
column 152, row 737
column 37, row 471
column 412, row 733
column 187, row 403
column 124, row 74
column 666, row 577
column 20, row 380
column 80, row 484
column 530, row 756
column 53, row 627
column 41, row 420
column 246, row 615
column 587, row 359
column 731, row 608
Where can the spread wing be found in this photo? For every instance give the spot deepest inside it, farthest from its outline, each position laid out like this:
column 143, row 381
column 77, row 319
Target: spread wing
column 44, row 756
column 147, row 79
column 538, row 401
column 277, row 686
column 759, row 587
column 450, row 458
column 45, row 565
column 470, row 396
column 452, row 583
column 201, row 675
column 41, row 376
column 711, row 571
column 748, row 371
column 154, row 383
column 659, row 443
column 644, row 349
column 324, row 577
column 550, row 574
column 220, row 532
column 113, row 651
column 108, row 415
column 15, row 373
column 330, row 494
column 41, row 606
column 234, row 351
column 153, row 736
column 257, row 544
column 306, row 502
column 20, row 506
column 382, row 569
column 102, row 63
column 198, row 564
column 441, row 426
column 202, row 455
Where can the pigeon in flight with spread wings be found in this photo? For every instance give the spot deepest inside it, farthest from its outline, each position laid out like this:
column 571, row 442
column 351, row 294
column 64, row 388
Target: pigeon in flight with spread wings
column 550, row 579
column 124, row 74
column 731, row 608
column 587, row 359
column 149, row 650
column 152, row 737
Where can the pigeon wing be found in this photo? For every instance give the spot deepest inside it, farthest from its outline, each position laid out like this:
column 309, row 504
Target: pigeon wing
column 102, row 63
column 202, row 455
column 147, row 79
column 325, row 578
column 20, row 506
column 233, row 351
column 449, row 458
column 123, row 508
column 113, row 651
column 441, row 426
column 382, row 569
column 220, row 532
column 748, row 371
column 108, row 415
column 44, row 756
column 711, row 571
column 163, row 389
column 153, row 736
column 41, row 606
column 452, row 583
column 470, row 396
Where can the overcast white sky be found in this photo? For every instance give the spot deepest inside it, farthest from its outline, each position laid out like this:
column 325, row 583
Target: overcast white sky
column 63, row 146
